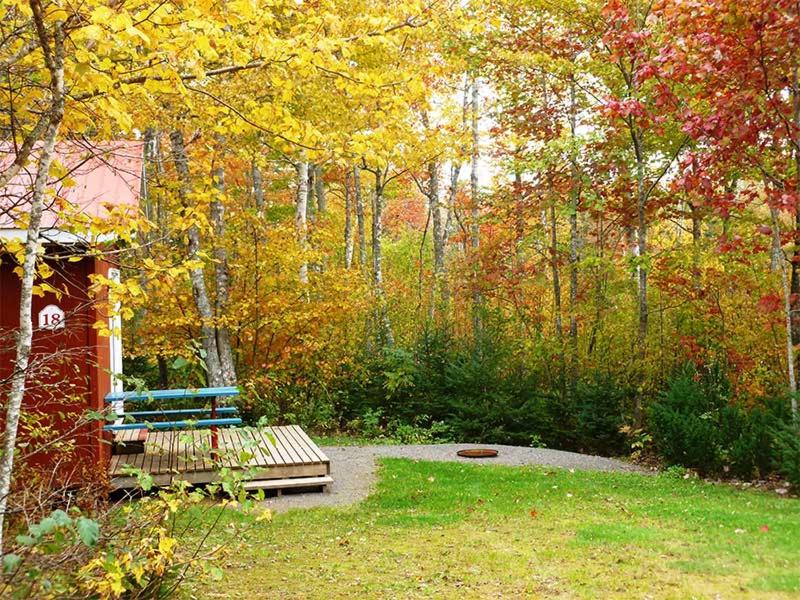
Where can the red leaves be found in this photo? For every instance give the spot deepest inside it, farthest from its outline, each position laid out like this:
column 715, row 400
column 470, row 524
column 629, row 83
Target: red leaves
column 783, row 200
column 624, row 108
column 764, row 230
column 770, row 303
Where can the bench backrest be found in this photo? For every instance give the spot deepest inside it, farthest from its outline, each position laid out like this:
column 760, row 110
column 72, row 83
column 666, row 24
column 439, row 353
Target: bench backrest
column 213, row 392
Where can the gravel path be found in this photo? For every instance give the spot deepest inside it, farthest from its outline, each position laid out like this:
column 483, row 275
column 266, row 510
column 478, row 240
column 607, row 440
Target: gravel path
column 353, row 468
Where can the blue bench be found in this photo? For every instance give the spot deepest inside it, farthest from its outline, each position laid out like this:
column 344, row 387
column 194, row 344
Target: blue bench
column 179, row 415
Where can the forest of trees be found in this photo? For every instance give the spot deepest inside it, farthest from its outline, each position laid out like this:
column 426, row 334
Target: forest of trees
column 521, row 221
column 560, row 223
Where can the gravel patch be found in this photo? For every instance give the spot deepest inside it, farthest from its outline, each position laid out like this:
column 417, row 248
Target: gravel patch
column 353, row 468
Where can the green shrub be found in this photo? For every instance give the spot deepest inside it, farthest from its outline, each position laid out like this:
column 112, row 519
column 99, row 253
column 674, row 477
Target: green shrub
column 694, row 425
column 683, row 425
column 786, row 442
column 486, row 394
column 600, row 405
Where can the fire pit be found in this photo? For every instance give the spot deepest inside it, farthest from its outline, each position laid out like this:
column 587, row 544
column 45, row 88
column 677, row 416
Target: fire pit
column 477, row 453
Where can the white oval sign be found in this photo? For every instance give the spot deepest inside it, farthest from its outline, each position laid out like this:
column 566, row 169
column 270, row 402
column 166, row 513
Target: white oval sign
column 51, row 317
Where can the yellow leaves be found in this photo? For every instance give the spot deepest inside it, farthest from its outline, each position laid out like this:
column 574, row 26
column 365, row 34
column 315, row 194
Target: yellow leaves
column 102, row 14
column 264, row 515
column 45, row 288
column 166, row 545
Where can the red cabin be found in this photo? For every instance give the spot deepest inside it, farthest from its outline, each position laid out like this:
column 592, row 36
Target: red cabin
column 72, row 366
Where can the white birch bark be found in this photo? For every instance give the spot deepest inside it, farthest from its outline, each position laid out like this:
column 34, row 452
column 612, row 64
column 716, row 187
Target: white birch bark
column 301, row 216
column 221, row 280
column 439, row 236
column 319, row 190
column 54, row 60
column 385, row 329
column 360, row 219
column 477, row 298
column 348, row 222
column 787, row 310
column 258, row 187
column 208, row 335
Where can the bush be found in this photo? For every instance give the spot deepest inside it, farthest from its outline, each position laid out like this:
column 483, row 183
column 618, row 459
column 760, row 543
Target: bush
column 483, row 394
column 137, row 550
column 786, row 442
column 682, row 424
column 600, row 405
column 694, row 425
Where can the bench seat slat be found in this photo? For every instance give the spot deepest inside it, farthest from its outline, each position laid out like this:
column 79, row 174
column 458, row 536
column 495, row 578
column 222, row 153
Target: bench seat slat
column 173, row 424
column 214, row 392
column 221, row 410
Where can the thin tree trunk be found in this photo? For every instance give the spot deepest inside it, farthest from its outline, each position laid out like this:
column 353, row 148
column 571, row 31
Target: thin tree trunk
column 787, row 307
column 311, row 213
column 319, row 190
column 477, row 298
column 258, row 187
column 519, row 217
column 574, row 243
column 557, row 310
column 196, row 275
column 301, row 216
column 361, row 221
column 221, row 279
column 795, row 262
column 54, row 59
column 385, row 330
column 455, row 170
column 440, row 294
column 641, row 244
column 348, row 222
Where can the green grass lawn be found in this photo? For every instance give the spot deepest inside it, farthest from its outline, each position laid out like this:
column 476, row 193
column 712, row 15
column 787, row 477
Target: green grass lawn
column 448, row 530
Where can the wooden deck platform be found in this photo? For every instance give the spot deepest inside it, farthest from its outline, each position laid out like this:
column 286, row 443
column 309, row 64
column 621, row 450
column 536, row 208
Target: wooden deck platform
column 280, row 457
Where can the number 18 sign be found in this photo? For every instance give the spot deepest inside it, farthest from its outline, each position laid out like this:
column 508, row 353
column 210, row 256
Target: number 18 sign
column 51, row 317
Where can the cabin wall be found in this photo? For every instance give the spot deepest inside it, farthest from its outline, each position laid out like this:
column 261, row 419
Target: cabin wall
column 69, row 373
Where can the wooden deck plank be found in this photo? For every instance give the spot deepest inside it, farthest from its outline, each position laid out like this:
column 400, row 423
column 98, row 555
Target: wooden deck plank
column 268, row 437
column 233, row 447
column 303, row 435
column 286, row 446
column 303, row 441
column 172, row 454
column 265, row 447
column 256, row 458
column 298, row 447
column 201, row 452
column 252, row 445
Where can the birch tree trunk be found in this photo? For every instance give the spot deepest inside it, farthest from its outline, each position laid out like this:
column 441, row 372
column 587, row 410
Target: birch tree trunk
column 319, row 190
column 348, row 222
column 440, row 294
column 574, row 244
column 787, row 308
column 360, row 219
column 795, row 263
column 477, row 297
column 221, row 279
column 519, row 217
column 384, row 326
column 311, row 214
column 641, row 247
column 558, row 327
column 208, row 335
column 301, row 216
column 54, row 60
column 455, row 171
column 258, row 187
